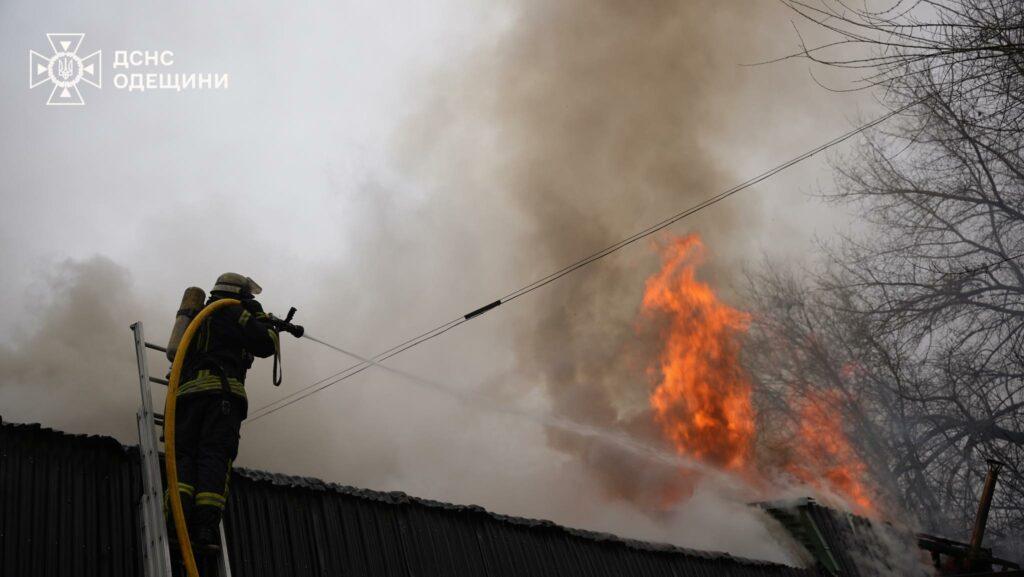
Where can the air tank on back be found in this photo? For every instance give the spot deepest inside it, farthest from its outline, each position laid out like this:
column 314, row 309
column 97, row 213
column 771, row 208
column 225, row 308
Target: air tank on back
column 191, row 303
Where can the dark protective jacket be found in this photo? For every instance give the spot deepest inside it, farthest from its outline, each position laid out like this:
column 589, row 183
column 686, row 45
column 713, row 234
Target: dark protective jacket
column 225, row 345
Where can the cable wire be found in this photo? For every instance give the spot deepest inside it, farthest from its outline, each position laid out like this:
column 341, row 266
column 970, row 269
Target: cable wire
column 357, row 368
column 352, row 370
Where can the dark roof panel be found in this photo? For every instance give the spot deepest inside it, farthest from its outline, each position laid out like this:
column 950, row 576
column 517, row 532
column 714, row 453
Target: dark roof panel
column 463, row 511
column 68, row 506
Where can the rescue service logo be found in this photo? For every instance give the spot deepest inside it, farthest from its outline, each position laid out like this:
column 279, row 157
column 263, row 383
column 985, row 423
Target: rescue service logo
column 134, row 71
column 65, row 69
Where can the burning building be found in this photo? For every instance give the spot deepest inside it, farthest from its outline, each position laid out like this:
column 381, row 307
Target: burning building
column 70, row 504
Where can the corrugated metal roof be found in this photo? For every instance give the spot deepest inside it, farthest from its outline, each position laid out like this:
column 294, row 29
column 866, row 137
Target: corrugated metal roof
column 434, row 538
column 68, row 507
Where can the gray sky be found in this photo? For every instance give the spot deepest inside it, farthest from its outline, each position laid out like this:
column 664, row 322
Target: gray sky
column 358, row 168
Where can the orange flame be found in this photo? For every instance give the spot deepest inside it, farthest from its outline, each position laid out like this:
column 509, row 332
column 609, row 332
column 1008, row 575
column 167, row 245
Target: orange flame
column 703, row 399
column 823, row 455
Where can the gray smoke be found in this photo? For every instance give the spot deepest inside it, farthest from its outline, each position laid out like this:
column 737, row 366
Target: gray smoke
column 68, row 367
column 591, row 120
column 583, row 122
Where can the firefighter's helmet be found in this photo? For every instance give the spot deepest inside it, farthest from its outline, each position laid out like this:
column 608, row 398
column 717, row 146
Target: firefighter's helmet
column 236, row 284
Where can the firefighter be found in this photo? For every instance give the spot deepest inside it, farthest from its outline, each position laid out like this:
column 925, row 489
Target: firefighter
column 211, row 403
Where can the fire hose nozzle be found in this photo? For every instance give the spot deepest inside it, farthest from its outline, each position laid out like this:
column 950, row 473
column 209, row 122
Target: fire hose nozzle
column 285, row 325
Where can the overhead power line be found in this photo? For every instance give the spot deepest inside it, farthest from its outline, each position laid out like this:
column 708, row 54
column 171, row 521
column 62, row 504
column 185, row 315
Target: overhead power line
column 352, row 370
column 357, row 368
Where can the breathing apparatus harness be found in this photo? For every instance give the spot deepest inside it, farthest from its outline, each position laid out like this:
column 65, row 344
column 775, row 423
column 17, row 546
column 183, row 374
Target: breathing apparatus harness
column 189, row 310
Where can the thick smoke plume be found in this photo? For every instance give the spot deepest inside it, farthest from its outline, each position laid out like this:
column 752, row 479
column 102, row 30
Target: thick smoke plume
column 596, row 119
column 71, row 366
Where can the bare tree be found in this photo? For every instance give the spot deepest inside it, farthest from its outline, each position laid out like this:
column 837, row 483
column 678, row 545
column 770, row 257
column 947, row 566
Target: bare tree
column 973, row 50
column 809, row 340
column 928, row 304
column 939, row 277
column 802, row 346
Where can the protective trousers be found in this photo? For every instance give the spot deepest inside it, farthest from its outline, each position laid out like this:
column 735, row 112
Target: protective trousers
column 206, row 443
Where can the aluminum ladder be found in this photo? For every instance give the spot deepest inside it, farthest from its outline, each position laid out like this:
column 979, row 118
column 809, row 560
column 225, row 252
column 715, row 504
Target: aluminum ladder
column 156, row 559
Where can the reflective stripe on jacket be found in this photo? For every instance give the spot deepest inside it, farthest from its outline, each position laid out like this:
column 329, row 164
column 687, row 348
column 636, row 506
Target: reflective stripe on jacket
column 227, row 340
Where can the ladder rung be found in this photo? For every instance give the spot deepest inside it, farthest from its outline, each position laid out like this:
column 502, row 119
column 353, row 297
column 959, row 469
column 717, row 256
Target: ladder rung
column 156, row 347
column 158, row 381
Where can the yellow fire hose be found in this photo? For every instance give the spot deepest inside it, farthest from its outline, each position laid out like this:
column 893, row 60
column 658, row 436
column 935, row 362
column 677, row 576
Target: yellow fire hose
column 172, row 466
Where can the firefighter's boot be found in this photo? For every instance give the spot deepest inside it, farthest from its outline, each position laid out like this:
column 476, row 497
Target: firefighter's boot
column 205, row 529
